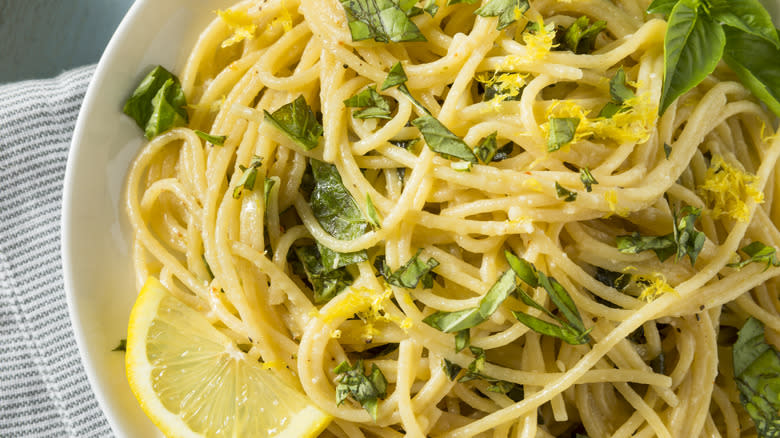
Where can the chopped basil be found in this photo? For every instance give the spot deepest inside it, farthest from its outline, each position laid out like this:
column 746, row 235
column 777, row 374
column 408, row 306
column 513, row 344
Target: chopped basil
column 487, row 151
column 248, row 176
column 381, row 20
column 580, row 37
column 268, row 184
column 410, row 274
column 373, row 216
column 475, row 371
column 364, row 389
column 619, row 92
column 297, row 121
column 562, row 132
column 667, row 150
column 587, row 179
column 757, row 374
column 507, row 11
column 158, row 103
column 326, row 283
column 373, row 104
column 396, row 76
column 570, row 328
column 451, row 369
column 405, row 144
column 684, row 240
column 564, row 193
column 122, row 345
column 208, row 267
column 759, row 253
column 337, row 212
column 615, row 280
column 216, row 140
column 462, row 340
column 431, row 7
column 449, row 322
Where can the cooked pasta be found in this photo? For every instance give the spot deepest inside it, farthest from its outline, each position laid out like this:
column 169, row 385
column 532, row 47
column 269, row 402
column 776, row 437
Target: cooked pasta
column 656, row 361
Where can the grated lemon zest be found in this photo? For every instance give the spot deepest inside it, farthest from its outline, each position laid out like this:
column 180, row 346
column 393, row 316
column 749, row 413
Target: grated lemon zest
column 508, row 84
column 539, row 44
column 368, row 304
column 240, row 23
column 285, row 20
column 533, row 184
column 726, row 189
column 274, row 365
column 657, row 287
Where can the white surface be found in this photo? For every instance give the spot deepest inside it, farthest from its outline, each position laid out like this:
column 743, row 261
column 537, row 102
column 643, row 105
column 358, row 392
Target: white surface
column 95, row 234
column 96, row 252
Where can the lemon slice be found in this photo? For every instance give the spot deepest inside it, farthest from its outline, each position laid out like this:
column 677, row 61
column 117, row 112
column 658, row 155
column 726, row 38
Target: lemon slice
column 193, row 381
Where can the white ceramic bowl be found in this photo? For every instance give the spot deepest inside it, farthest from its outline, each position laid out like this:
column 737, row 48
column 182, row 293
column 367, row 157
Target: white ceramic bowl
column 95, row 235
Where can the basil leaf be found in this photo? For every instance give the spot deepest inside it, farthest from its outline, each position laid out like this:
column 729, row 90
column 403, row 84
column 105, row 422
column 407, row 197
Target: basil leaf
column 667, row 150
column 208, row 267
column 615, row 280
column 749, row 16
column 297, row 121
column 754, row 60
column 158, row 103
column 581, row 36
column 410, row 274
column 476, row 367
column 431, row 7
column 618, row 88
column 248, row 177
column 486, row 148
column 498, row 293
column 326, row 284
column 523, row 269
column 382, row 20
column 661, row 7
column 507, row 11
column 122, row 346
column 373, row 216
column 268, row 184
column 396, row 76
column 610, row 109
column 562, row 301
column 564, row 193
column 337, row 212
column 663, row 246
column 374, row 105
column 442, row 141
column 216, row 140
column 587, row 179
column 451, row 369
column 693, row 45
column 545, row 328
column 364, row 389
column 689, row 241
column 759, row 253
column 757, row 374
column 561, row 132
column 462, row 340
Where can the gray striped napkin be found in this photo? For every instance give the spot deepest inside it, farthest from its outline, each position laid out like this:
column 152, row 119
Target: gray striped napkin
column 44, row 391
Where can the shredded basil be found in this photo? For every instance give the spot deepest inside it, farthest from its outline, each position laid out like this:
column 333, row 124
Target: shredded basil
column 462, row 340
column 431, row 7
column 297, row 121
column 326, row 283
column 216, row 140
column 619, row 92
column 373, row 104
column 562, row 132
column 615, row 280
column 337, row 212
column 487, row 150
column 564, row 193
column 268, row 184
column 507, row 11
column 364, row 389
column 158, row 103
column 122, row 346
column 396, row 76
column 667, row 150
column 451, row 369
column 248, row 176
column 757, row 252
column 587, row 179
column 373, row 215
column 381, row 20
column 684, row 240
column 411, row 273
column 757, row 374
column 580, row 37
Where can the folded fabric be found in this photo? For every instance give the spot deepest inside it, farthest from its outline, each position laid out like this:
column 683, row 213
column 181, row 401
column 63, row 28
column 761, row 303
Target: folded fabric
column 44, row 390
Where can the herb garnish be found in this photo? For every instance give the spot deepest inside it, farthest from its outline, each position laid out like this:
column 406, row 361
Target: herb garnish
column 410, row 274
column 619, row 92
column 475, row 371
column 561, row 132
column 216, row 140
column 570, row 327
column 462, row 340
column 684, row 240
column 587, row 179
column 699, row 33
column 564, row 193
column 757, row 374
column 297, row 121
column 158, row 103
column 373, row 215
column 507, row 11
column 382, row 20
column 122, row 345
column 248, row 177
column 450, row 369
column 373, row 104
column 757, row 252
column 580, row 37
column 487, row 150
column 326, row 283
column 364, row 389
column 337, row 212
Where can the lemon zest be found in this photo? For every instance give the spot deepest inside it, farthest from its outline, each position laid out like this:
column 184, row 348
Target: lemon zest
column 285, row 20
column 726, row 189
column 657, row 287
column 539, row 44
column 240, row 23
column 507, row 85
column 368, row 305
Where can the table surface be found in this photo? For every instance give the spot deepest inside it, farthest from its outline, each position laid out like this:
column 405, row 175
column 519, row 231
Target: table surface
column 42, row 38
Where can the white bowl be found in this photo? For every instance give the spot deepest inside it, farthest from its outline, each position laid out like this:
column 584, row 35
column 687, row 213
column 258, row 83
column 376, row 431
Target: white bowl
column 95, row 234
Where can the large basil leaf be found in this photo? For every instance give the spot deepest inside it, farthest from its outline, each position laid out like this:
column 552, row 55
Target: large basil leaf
column 382, row 20
column 693, row 45
column 158, row 103
column 661, row 7
column 297, row 121
column 337, row 212
column 756, row 63
column 746, row 15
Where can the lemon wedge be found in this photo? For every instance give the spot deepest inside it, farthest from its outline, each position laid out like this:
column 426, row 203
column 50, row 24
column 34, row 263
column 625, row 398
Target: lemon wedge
column 193, row 381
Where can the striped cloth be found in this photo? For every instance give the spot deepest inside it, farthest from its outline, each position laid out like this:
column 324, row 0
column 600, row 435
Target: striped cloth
column 44, row 390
